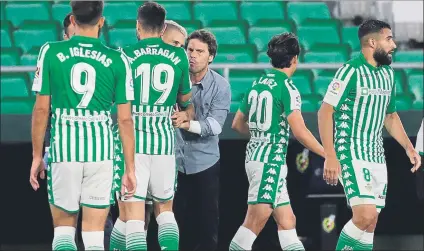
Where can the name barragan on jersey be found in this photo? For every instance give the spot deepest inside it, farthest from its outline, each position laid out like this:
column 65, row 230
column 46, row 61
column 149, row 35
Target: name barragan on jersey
column 85, row 53
column 157, row 52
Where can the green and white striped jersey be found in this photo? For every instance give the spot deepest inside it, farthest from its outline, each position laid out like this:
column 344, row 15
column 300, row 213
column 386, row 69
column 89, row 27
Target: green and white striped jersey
column 361, row 95
column 84, row 78
column 268, row 103
column 160, row 73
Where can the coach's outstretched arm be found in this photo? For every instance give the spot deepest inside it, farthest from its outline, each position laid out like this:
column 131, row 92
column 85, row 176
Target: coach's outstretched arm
column 395, row 128
column 332, row 167
column 215, row 119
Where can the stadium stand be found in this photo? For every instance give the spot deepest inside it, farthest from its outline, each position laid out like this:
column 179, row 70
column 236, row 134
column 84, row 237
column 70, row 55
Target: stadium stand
column 243, row 30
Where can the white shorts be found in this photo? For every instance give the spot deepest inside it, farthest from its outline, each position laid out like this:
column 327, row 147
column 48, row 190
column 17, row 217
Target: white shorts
column 156, row 175
column 267, row 183
column 74, row 184
column 364, row 182
column 419, row 145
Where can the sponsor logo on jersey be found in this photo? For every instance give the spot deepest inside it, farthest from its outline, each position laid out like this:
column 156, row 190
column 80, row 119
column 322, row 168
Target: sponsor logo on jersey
column 365, row 91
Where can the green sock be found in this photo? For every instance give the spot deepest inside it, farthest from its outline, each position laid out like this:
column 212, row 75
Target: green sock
column 366, row 242
column 134, row 236
column 349, row 237
column 168, row 232
column 117, row 237
column 64, row 238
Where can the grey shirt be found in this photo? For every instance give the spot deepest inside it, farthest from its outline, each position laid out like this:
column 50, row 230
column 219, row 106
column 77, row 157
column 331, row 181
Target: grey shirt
column 211, row 99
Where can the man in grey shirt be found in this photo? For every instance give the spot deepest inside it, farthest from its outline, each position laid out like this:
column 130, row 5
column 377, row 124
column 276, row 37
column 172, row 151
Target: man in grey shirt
column 197, row 150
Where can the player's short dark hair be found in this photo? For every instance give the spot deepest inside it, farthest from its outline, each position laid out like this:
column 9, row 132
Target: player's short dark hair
column 371, row 26
column 282, row 49
column 87, row 12
column 66, row 23
column 151, row 17
column 206, row 37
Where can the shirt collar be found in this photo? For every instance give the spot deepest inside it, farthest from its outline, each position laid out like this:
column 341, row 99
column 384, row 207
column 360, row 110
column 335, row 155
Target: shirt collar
column 206, row 81
column 85, row 39
column 365, row 62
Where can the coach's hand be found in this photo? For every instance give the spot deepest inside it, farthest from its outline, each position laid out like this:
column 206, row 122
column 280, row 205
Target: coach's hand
column 332, row 170
column 129, row 183
column 414, row 157
column 36, row 168
column 178, row 118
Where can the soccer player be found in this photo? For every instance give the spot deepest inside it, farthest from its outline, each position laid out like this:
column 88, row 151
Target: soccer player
column 82, row 77
column 271, row 106
column 161, row 77
column 175, row 35
column 362, row 100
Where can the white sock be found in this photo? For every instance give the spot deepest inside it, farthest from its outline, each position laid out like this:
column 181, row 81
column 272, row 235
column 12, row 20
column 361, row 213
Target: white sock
column 120, row 226
column 134, row 235
column 64, row 238
column 353, row 231
column 289, row 240
column 243, row 239
column 367, row 238
column 93, row 240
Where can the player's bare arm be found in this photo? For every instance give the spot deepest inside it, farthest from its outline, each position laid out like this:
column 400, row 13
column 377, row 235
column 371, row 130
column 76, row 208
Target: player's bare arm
column 302, row 133
column 240, row 123
column 40, row 115
column 126, row 130
column 395, row 128
column 325, row 125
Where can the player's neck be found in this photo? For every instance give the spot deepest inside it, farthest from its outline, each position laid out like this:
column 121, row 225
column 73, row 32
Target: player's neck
column 368, row 55
column 149, row 35
column 197, row 77
column 93, row 33
column 287, row 71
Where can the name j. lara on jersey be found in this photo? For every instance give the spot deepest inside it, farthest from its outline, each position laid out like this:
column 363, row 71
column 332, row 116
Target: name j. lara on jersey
column 85, row 53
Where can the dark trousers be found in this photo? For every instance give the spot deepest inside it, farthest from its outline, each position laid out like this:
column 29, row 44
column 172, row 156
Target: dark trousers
column 196, row 209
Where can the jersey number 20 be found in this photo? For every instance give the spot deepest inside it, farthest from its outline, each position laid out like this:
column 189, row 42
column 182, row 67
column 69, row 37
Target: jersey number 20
column 262, row 115
column 153, row 77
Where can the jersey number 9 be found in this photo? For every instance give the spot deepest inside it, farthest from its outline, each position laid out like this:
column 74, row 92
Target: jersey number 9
column 86, row 89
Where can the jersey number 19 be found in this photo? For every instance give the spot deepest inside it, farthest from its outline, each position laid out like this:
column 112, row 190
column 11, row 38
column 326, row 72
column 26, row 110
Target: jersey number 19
column 153, row 76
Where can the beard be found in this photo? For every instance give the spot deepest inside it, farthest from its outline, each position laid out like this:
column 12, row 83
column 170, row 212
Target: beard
column 136, row 35
column 382, row 57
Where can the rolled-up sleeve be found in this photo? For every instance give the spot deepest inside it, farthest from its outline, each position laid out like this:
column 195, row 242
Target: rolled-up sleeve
column 219, row 108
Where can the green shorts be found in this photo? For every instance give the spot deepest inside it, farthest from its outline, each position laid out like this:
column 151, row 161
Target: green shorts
column 364, row 182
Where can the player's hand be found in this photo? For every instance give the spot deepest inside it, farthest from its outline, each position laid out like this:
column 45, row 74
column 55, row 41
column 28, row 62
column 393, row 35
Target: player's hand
column 178, row 118
column 129, row 184
column 414, row 157
column 332, row 169
column 36, row 168
column 185, row 126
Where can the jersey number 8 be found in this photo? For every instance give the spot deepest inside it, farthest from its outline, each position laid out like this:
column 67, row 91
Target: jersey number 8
column 86, row 89
column 262, row 115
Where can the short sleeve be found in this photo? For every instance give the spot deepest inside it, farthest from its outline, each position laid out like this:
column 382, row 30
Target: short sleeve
column 340, row 86
column 41, row 83
column 124, row 81
column 185, row 84
column 290, row 97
